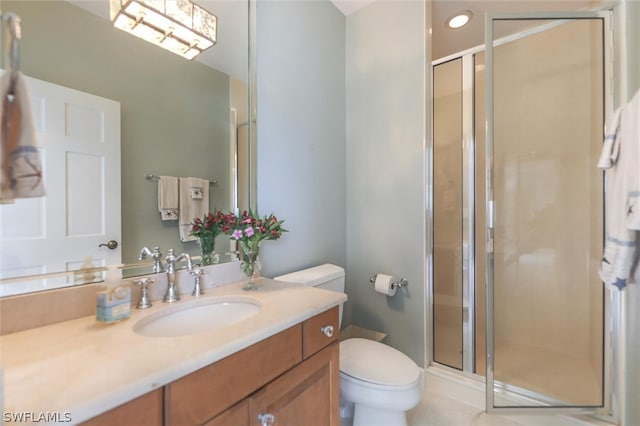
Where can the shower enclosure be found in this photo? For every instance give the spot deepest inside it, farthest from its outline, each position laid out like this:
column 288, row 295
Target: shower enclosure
column 518, row 211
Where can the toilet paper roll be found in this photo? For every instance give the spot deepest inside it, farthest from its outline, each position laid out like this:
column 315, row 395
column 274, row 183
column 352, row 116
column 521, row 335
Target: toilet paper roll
column 383, row 284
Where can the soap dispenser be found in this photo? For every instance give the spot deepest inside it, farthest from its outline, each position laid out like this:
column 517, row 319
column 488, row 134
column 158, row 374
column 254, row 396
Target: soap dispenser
column 113, row 303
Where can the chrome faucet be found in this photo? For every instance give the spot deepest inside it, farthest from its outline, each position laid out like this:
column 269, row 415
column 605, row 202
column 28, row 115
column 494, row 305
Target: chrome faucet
column 172, row 294
column 155, row 255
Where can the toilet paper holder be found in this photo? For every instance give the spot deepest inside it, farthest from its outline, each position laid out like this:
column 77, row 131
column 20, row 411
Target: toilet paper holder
column 394, row 285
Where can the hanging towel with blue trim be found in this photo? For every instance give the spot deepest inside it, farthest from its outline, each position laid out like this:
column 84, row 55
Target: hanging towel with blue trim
column 21, row 169
column 620, row 158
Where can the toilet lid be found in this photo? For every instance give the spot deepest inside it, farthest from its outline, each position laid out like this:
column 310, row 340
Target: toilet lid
column 377, row 363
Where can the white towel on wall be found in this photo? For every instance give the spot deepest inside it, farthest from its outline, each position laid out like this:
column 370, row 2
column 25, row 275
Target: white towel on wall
column 620, row 158
column 168, row 197
column 21, row 172
column 194, row 202
column 630, row 135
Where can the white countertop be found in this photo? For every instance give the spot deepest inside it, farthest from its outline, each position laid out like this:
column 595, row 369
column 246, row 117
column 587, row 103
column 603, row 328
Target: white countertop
column 84, row 368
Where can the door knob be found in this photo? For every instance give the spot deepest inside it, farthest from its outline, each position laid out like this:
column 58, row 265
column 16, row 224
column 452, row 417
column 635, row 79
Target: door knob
column 111, row 245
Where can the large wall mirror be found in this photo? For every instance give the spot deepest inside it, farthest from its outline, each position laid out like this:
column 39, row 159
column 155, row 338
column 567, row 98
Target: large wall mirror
column 176, row 118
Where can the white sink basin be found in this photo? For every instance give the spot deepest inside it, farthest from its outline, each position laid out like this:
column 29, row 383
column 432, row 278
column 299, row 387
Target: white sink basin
column 198, row 316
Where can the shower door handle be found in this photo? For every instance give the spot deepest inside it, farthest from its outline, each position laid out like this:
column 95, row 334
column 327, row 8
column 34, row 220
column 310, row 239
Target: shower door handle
column 490, row 214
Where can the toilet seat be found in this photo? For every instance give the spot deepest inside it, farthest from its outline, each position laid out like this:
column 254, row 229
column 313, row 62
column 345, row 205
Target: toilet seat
column 377, row 364
column 344, row 377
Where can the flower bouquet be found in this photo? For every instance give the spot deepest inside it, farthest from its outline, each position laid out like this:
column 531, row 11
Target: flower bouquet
column 206, row 230
column 249, row 230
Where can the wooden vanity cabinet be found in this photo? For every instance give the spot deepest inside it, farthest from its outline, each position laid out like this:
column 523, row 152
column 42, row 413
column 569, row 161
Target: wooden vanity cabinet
column 292, row 376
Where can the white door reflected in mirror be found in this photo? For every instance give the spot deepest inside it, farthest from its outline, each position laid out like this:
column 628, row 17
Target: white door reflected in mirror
column 69, row 228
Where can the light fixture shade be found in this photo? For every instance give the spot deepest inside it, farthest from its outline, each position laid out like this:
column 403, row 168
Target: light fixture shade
column 179, row 26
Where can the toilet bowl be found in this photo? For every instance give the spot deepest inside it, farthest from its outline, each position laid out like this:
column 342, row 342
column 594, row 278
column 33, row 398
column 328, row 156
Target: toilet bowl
column 379, row 382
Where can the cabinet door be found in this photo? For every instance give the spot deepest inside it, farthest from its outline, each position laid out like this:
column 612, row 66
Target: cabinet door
column 205, row 393
column 306, row 395
column 143, row 411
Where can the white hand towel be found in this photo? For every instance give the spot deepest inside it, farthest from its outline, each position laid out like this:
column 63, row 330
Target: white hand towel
column 620, row 158
column 631, row 136
column 168, row 197
column 611, row 145
column 21, row 171
column 191, row 208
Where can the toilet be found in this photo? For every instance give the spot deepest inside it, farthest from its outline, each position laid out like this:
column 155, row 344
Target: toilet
column 379, row 382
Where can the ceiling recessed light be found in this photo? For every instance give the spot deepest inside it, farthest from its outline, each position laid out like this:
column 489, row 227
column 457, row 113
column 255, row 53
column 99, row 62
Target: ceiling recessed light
column 459, row 19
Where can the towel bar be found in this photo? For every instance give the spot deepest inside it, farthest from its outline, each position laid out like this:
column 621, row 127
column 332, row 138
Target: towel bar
column 155, row 178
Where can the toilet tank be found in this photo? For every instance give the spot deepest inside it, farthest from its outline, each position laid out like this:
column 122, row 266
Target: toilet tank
column 327, row 276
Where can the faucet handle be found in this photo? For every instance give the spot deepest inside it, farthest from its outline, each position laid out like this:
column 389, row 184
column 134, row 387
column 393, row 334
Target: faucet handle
column 145, row 300
column 197, row 286
column 156, row 255
column 157, row 260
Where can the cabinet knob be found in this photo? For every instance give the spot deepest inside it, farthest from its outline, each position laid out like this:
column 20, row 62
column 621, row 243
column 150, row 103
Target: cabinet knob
column 266, row 419
column 327, row 330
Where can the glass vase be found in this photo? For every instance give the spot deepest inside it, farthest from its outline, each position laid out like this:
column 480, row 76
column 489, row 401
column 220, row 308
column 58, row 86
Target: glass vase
column 249, row 267
column 207, row 247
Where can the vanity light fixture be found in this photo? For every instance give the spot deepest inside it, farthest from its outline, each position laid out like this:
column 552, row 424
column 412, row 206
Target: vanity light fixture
column 460, row 19
column 179, row 26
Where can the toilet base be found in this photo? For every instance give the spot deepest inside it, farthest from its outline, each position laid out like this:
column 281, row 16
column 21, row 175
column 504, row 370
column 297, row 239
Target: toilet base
column 371, row 416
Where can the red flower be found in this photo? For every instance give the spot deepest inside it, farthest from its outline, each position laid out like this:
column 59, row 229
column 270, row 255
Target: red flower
column 207, row 225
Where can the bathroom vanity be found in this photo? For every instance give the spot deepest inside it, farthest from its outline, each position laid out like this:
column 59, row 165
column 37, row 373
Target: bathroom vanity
column 302, row 360
column 280, row 364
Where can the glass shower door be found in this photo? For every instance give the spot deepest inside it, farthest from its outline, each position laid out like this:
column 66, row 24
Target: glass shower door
column 545, row 303
column 448, row 306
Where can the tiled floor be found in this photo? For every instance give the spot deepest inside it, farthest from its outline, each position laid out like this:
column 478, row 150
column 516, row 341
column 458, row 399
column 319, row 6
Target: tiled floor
column 438, row 410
